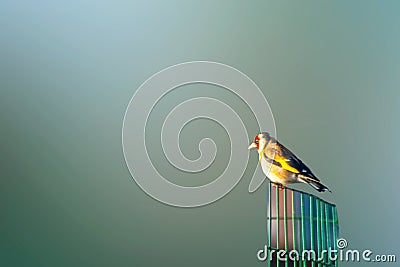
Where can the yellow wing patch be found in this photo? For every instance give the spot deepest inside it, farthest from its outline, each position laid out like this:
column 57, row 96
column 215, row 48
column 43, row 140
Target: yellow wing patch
column 284, row 164
column 274, row 151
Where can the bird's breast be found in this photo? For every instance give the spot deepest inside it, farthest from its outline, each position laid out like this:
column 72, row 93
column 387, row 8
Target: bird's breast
column 277, row 174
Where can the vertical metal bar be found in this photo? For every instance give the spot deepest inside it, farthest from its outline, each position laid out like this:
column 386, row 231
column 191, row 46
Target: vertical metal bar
column 303, row 236
column 269, row 218
column 323, row 231
column 318, row 228
column 328, row 231
column 312, row 225
column 293, row 226
column 285, row 225
column 277, row 220
column 335, row 232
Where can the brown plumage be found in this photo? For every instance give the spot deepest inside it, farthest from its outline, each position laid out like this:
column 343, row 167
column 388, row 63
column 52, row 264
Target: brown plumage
column 281, row 165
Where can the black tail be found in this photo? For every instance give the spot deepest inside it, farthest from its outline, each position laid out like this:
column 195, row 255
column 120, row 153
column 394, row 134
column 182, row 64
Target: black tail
column 314, row 183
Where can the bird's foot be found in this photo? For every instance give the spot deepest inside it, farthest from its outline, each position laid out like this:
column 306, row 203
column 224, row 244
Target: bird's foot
column 280, row 186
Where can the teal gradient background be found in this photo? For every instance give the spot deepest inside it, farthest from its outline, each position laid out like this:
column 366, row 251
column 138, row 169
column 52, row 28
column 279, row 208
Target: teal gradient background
column 329, row 69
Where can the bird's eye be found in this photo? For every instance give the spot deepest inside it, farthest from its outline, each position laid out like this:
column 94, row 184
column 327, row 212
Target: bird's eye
column 256, row 142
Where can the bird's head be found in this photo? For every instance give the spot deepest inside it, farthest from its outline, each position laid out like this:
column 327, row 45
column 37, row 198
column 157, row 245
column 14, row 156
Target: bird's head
column 260, row 142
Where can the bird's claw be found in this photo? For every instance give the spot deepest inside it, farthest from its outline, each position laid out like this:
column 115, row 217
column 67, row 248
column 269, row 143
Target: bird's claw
column 280, row 186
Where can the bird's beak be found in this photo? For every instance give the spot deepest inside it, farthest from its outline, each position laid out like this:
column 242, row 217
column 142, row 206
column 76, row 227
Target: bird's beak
column 253, row 145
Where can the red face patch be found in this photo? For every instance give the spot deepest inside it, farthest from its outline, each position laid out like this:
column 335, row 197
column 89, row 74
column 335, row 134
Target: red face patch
column 257, row 141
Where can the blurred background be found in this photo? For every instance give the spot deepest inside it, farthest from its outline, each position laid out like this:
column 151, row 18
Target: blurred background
column 330, row 71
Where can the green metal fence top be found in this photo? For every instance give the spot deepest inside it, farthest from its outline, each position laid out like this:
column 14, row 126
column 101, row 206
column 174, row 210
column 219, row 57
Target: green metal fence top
column 301, row 222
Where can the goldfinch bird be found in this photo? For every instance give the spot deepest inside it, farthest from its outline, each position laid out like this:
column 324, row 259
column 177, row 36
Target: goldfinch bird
column 281, row 166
